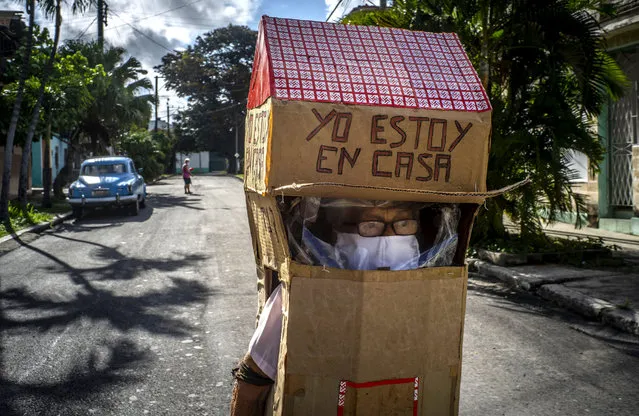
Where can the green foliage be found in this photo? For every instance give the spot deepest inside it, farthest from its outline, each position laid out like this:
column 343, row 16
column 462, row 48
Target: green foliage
column 166, row 145
column 118, row 90
column 21, row 217
column 41, row 47
column 546, row 70
column 146, row 150
column 214, row 73
column 67, row 94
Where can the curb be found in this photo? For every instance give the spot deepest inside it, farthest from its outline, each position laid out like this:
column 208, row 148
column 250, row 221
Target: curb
column 585, row 305
column 626, row 320
column 510, row 277
column 38, row 228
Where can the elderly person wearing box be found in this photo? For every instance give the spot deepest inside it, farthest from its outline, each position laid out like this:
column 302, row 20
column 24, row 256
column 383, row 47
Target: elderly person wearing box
column 362, row 235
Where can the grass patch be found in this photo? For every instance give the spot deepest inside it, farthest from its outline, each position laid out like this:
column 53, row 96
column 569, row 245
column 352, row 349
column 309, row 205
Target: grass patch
column 57, row 207
column 240, row 175
column 23, row 217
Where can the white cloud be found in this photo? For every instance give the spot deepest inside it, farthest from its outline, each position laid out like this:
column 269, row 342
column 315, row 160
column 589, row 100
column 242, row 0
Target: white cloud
column 149, row 29
column 230, row 11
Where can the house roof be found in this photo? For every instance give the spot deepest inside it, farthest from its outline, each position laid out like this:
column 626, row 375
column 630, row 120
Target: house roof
column 363, row 65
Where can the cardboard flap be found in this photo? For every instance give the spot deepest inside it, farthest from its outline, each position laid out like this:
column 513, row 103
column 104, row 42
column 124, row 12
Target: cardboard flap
column 364, row 327
column 342, row 326
column 270, row 238
column 426, row 195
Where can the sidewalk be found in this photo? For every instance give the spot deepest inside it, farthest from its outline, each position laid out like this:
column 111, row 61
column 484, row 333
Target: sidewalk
column 608, row 295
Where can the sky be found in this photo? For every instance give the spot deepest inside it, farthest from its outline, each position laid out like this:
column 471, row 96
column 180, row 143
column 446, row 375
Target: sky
column 149, row 29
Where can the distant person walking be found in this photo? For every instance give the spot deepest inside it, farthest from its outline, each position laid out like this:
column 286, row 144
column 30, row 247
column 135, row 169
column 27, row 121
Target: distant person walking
column 186, row 175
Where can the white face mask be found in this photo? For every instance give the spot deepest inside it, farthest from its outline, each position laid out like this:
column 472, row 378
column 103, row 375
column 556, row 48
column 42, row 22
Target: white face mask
column 397, row 252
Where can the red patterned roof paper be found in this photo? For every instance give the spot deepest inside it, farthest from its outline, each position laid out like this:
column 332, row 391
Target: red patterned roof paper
column 363, row 65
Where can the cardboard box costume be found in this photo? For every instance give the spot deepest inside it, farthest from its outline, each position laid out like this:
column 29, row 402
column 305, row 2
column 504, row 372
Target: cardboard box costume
column 372, row 113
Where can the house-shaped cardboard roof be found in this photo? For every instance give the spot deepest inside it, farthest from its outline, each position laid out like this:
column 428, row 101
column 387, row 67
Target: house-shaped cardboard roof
column 300, row 60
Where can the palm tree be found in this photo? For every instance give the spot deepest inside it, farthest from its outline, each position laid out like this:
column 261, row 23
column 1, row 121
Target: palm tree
column 8, row 148
column 120, row 98
column 544, row 66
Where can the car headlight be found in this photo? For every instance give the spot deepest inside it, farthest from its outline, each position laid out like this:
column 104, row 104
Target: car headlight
column 130, row 188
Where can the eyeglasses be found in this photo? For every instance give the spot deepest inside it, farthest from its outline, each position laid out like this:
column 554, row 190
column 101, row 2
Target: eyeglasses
column 377, row 228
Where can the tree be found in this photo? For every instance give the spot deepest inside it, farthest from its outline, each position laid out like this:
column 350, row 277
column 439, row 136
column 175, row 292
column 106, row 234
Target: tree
column 35, row 117
column 215, row 74
column 10, row 37
column 547, row 73
column 8, row 148
column 121, row 98
column 66, row 96
column 146, row 149
column 66, row 101
column 50, row 8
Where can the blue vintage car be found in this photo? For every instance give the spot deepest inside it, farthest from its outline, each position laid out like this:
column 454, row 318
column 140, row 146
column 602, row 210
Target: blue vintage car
column 107, row 181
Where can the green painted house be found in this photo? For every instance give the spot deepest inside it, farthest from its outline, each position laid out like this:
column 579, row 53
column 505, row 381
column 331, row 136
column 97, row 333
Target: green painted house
column 617, row 192
column 57, row 157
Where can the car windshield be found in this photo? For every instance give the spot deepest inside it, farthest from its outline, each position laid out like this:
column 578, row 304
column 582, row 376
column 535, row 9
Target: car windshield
column 103, row 169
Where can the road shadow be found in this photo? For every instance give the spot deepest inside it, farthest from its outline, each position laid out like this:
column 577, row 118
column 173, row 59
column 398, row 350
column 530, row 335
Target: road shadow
column 161, row 201
column 122, row 215
column 107, row 365
column 26, row 312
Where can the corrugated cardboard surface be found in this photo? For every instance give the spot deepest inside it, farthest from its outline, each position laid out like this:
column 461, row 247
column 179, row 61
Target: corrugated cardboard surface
column 257, row 142
column 370, row 326
column 267, row 230
column 366, row 146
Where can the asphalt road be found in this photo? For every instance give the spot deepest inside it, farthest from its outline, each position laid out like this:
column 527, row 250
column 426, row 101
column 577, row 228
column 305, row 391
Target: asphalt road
column 124, row 315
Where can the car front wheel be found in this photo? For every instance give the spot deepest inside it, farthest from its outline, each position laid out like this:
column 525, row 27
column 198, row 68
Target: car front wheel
column 143, row 203
column 77, row 212
column 135, row 207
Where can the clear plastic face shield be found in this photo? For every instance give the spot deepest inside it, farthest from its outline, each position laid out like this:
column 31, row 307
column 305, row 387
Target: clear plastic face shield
column 372, row 235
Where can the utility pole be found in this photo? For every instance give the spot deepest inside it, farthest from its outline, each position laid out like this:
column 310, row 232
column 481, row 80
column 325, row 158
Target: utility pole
column 382, row 4
column 103, row 9
column 157, row 103
column 237, row 154
column 168, row 119
column 238, row 122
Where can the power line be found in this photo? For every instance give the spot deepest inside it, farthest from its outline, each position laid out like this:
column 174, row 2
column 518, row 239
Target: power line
column 334, row 8
column 202, row 112
column 87, row 28
column 142, row 33
column 164, row 12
